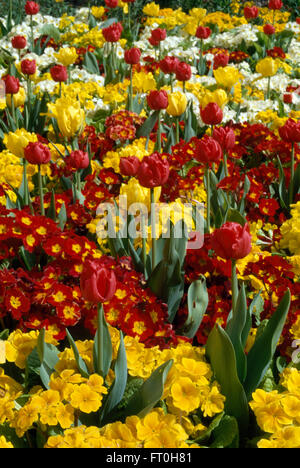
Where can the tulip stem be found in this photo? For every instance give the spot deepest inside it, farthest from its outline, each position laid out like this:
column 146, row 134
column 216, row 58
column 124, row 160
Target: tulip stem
column 78, row 181
column 32, row 35
column 207, row 178
column 159, row 132
column 153, row 227
column 13, row 109
column 130, row 104
column 269, row 87
column 177, row 130
column 26, row 187
column 291, row 187
column 234, row 283
column 225, row 163
column 41, row 191
column 144, row 242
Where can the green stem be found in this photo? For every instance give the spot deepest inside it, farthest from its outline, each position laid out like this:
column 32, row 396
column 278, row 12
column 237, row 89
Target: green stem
column 144, row 242
column 32, row 35
column 130, row 91
column 40, row 179
column 291, row 187
column 159, row 132
column 26, row 188
column 269, row 87
column 153, row 227
column 13, row 110
column 129, row 17
column 225, row 163
column 29, row 91
column 78, row 181
column 208, row 195
column 234, row 283
column 177, row 130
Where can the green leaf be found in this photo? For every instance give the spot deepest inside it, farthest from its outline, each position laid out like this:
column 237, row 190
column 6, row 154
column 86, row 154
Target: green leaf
column 32, row 370
column 51, row 31
column 221, row 355
column 262, row 352
column 234, row 330
column 62, row 217
column 148, row 125
column 48, row 355
column 226, row 434
column 197, row 305
column 118, row 387
column 102, row 350
column 150, row 392
column 82, row 367
column 213, row 425
column 235, row 216
column 90, row 63
column 28, row 258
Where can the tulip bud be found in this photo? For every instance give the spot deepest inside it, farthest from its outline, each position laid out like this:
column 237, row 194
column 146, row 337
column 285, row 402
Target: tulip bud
column 28, row 67
column 12, row 84
column 208, row 150
column 129, row 166
column 113, row 32
column 269, row 29
column 132, row 56
column 19, row 42
column 37, row 153
column 212, row 114
column 203, row 32
column 59, row 73
column 153, row 171
column 111, row 3
column 225, row 136
column 177, row 104
column 251, row 12
column 157, row 100
column 32, row 8
column 275, row 4
column 288, row 98
column 168, row 65
column 290, row 131
column 158, row 34
column 267, row 67
column 231, row 241
column 183, row 71
column 221, row 60
column 97, row 282
column 79, row 160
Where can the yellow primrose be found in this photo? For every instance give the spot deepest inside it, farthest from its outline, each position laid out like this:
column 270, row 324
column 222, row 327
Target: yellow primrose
column 227, row 77
column 66, row 56
column 69, row 116
column 267, row 67
column 177, row 104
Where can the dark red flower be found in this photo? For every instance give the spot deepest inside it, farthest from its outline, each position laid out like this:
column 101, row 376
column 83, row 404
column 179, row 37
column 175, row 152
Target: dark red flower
column 168, row 65
column 183, row 71
column 129, row 166
column 158, row 34
column 269, row 29
column 157, row 100
column 113, row 32
column 79, row 159
column 225, row 136
column 275, row 4
column 231, row 241
column 203, row 32
column 97, row 282
column 111, row 3
column 28, row 67
column 132, row 56
column 19, row 42
column 251, row 12
column 37, row 153
column 59, row 73
column 290, row 131
column 153, row 171
column 208, row 150
column 32, row 8
column 211, row 114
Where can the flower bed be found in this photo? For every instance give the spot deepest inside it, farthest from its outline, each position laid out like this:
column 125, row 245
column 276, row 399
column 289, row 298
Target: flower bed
column 149, row 228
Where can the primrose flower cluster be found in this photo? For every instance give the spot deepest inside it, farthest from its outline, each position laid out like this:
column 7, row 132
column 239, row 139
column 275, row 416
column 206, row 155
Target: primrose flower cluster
column 176, row 328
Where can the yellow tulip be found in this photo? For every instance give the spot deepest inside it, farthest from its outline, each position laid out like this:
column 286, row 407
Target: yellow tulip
column 151, row 9
column 267, row 67
column 17, row 141
column 227, row 77
column 137, row 194
column 219, row 96
column 19, row 98
column 177, row 104
column 67, row 56
column 69, row 116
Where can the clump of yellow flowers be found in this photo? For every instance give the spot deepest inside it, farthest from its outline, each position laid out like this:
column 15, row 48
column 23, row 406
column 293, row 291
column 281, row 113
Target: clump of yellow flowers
column 189, row 387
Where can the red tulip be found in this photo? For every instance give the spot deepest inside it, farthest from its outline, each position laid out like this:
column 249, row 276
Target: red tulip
column 275, row 4
column 231, row 241
column 113, row 32
column 211, row 114
column 79, row 159
column 290, row 131
column 288, row 98
column 19, row 42
column 168, row 65
column 12, row 84
column 32, row 8
column 153, row 171
column 298, row 20
column 221, row 60
column 157, row 100
column 97, row 282
column 269, row 29
column 183, row 71
column 153, row 42
column 158, row 34
column 251, row 12
column 111, row 3
column 28, row 67
column 37, row 153
column 129, row 166
column 132, row 56
column 203, row 32
column 208, row 150
column 59, row 73
column 225, row 136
